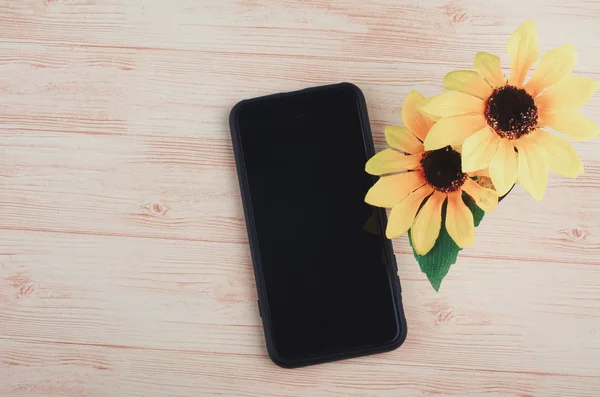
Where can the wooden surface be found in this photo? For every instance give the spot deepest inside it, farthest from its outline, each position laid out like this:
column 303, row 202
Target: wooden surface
column 124, row 262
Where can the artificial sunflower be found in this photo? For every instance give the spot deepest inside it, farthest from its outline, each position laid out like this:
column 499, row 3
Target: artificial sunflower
column 498, row 122
column 410, row 175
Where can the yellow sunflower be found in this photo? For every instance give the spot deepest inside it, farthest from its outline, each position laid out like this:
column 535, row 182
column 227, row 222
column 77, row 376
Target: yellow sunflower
column 410, row 174
column 499, row 122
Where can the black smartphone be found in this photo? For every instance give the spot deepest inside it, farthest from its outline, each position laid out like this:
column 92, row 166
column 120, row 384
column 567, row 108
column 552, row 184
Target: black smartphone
column 326, row 275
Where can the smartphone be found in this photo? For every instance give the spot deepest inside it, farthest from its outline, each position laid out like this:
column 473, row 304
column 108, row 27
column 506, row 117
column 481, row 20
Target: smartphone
column 326, row 275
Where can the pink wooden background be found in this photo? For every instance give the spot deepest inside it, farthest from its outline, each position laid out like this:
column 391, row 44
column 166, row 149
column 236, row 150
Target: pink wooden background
column 124, row 262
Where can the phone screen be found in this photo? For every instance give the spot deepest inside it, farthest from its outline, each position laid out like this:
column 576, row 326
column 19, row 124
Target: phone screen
column 320, row 245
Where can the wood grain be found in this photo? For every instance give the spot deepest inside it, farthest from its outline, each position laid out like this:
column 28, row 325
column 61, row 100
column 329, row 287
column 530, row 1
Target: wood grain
column 124, row 262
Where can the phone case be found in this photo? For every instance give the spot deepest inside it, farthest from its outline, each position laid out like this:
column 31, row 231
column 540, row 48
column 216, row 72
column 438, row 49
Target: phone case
column 253, row 242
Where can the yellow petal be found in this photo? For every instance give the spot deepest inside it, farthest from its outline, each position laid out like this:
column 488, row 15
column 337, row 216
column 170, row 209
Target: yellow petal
column 459, row 220
column 533, row 173
column 572, row 124
column 390, row 160
column 390, row 190
column 430, row 116
column 570, row 93
column 504, row 167
column 453, row 130
column 478, row 149
column 412, row 118
column 468, row 82
column 403, row 213
column 486, row 199
column 402, row 138
column 554, row 65
column 452, row 103
column 523, row 51
column 426, row 228
column 560, row 155
column 488, row 66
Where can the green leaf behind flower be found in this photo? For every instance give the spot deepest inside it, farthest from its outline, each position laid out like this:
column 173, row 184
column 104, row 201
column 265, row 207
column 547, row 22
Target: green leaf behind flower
column 436, row 263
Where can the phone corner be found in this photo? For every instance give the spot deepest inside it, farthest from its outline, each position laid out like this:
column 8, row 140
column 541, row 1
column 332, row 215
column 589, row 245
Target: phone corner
column 352, row 87
column 401, row 333
column 233, row 113
column 277, row 358
column 400, row 337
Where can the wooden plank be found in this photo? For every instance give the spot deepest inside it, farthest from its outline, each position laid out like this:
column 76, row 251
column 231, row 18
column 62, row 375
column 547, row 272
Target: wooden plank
column 187, row 189
column 199, row 297
column 76, row 370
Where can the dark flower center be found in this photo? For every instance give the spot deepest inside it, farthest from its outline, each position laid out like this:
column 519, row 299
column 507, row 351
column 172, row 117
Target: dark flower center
column 511, row 112
column 442, row 169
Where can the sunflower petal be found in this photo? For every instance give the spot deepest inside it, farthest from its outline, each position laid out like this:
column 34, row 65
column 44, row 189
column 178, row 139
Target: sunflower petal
column 488, row 66
column 559, row 154
column 412, row 118
column 390, row 190
column 426, row 228
column 452, row 103
column 504, row 167
column 570, row 93
column 523, row 51
column 468, row 82
column 459, row 220
column 486, row 199
column 554, row 65
column 533, row 173
column 478, row 149
column 453, row 130
column 402, row 138
column 390, row 160
column 573, row 124
column 430, row 116
column 403, row 214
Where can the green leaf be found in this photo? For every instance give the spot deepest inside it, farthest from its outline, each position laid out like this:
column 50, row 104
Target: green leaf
column 478, row 213
column 436, row 263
